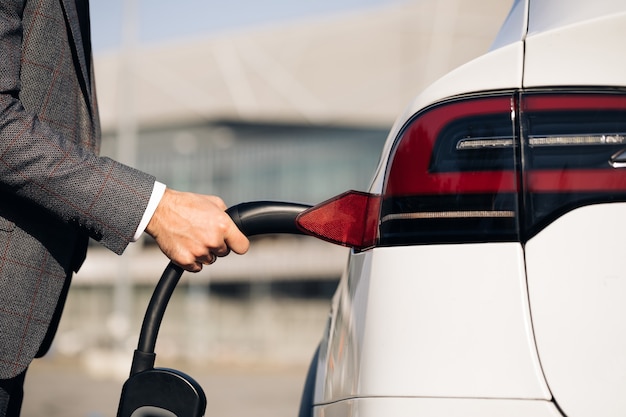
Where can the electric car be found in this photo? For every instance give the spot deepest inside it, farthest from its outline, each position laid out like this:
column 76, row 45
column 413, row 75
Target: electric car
column 486, row 273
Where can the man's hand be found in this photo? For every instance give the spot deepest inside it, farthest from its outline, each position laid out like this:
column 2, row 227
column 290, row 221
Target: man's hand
column 193, row 229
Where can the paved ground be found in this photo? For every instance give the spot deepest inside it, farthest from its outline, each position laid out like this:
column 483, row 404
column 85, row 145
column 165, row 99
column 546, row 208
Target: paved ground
column 66, row 390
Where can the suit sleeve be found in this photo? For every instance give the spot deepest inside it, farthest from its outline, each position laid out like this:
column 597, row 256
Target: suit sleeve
column 96, row 194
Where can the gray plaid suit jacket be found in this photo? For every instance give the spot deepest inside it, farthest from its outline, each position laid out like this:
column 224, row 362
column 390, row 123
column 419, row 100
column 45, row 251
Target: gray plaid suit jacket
column 55, row 190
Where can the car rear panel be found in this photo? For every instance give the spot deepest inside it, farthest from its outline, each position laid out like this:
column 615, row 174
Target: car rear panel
column 437, row 407
column 574, row 199
column 495, row 287
column 449, row 321
column 575, row 43
column 577, row 290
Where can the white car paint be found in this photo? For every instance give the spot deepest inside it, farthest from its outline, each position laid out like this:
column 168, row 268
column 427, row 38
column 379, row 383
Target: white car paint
column 574, row 48
column 460, row 324
column 577, row 290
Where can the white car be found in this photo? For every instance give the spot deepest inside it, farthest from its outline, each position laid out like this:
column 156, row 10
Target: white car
column 487, row 278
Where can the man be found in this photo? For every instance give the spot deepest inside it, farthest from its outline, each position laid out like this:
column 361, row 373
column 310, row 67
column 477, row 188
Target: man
column 55, row 191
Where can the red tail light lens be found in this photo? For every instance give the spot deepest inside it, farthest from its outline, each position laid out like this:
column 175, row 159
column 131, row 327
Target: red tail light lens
column 350, row 219
column 452, row 176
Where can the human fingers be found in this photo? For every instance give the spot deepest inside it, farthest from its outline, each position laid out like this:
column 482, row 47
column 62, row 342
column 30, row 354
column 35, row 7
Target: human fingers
column 200, row 262
column 208, row 259
column 225, row 236
column 236, row 240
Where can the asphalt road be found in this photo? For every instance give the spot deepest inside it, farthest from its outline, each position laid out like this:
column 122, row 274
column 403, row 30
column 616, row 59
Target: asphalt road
column 67, row 390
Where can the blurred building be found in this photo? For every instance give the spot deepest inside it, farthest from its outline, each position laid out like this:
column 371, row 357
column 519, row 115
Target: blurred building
column 295, row 112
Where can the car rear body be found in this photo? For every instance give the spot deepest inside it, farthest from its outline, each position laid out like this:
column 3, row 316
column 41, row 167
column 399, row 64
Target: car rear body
column 494, row 286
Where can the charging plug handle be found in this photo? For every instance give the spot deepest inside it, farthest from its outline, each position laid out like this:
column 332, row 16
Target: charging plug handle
column 253, row 218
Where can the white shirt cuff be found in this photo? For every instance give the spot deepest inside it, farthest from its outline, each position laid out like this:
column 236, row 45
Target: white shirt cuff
column 157, row 193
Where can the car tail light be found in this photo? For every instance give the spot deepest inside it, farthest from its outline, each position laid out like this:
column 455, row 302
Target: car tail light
column 462, row 171
column 575, row 147
column 452, row 175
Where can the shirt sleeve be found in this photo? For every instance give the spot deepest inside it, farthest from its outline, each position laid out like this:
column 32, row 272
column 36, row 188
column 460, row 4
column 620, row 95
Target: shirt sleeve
column 155, row 199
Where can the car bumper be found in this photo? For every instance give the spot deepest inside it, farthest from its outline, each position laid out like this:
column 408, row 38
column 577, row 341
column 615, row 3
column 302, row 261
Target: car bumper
column 437, row 407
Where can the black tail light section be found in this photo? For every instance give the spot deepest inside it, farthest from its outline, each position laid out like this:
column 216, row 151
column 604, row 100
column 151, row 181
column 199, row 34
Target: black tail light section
column 574, row 153
column 452, row 176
